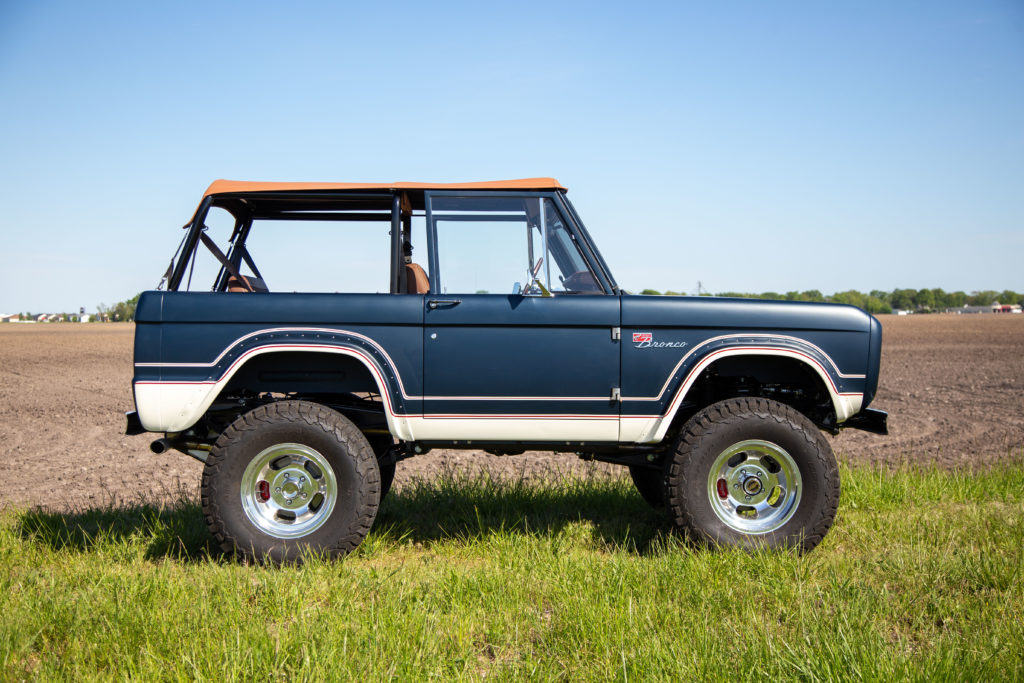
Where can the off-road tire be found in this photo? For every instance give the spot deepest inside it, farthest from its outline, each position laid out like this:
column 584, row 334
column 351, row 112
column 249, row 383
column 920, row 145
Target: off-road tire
column 380, row 443
column 650, row 484
column 333, row 437
column 726, row 427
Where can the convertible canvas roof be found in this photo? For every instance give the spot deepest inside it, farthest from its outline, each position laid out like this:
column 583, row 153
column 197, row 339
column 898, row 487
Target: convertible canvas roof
column 236, row 186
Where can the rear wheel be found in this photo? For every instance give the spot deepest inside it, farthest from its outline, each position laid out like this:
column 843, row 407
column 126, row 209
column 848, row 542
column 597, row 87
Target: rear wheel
column 287, row 478
column 750, row 472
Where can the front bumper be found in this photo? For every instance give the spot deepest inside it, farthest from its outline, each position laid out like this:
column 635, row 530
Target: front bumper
column 869, row 420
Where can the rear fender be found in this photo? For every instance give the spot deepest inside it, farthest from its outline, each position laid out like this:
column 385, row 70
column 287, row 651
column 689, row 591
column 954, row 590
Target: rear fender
column 173, row 404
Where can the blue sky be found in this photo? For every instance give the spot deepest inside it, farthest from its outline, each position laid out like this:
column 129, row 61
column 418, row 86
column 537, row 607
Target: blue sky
column 751, row 146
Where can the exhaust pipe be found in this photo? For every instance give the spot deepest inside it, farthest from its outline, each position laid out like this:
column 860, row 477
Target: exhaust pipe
column 161, row 446
column 194, row 449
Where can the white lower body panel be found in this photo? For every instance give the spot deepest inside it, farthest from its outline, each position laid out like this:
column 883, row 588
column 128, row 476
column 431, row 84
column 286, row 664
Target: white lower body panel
column 513, row 428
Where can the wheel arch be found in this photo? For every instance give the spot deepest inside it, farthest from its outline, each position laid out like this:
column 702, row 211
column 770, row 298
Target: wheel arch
column 844, row 404
column 176, row 406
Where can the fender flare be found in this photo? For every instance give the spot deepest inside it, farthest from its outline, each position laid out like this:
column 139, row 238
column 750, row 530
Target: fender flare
column 157, row 400
column 845, row 401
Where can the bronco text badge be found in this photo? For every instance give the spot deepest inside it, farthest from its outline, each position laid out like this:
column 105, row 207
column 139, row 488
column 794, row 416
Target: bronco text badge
column 645, row 340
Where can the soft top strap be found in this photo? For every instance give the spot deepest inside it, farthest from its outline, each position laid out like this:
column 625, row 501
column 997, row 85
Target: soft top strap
column 224, row 261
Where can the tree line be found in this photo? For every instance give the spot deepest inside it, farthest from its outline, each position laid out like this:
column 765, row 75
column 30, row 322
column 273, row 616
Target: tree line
column 123, row 311
column 878, row 301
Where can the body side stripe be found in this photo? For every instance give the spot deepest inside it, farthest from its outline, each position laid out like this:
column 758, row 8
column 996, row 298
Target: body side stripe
column 694, row 350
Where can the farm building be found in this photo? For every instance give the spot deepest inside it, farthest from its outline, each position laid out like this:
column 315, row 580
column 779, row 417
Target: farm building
column 994, row 307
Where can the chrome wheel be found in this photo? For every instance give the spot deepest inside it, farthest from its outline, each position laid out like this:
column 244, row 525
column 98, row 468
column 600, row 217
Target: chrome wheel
column 288, row 490
column 754, row 486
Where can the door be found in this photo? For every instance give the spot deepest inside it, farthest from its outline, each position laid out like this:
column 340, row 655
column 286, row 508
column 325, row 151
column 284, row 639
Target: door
column 519, row 342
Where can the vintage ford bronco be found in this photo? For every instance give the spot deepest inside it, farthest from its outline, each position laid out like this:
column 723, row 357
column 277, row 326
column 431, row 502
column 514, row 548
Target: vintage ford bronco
column 505, row 332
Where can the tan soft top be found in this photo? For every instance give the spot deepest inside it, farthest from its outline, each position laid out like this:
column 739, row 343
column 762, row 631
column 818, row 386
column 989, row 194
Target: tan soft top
column 232, row 186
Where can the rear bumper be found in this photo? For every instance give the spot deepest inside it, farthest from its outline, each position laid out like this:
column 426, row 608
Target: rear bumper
column 869, row 420
column 134, row 424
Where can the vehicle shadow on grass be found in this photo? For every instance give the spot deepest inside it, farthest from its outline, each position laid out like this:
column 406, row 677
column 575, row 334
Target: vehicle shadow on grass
column 175, row 530
column 609, row 511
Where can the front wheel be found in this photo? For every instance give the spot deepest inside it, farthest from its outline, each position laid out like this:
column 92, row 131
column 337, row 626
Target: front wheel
column 750, row 472
column 288, row 478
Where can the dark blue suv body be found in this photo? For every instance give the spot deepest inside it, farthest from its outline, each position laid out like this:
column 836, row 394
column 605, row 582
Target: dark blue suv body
column 505, row 332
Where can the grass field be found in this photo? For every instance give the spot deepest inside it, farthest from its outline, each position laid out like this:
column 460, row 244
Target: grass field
column 464, row 579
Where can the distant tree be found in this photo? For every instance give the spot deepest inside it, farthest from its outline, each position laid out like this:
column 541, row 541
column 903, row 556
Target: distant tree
column 873, row 304
column 902, row 299
column 124, row 311
column 669, row 292
column 774, row 296
column 811, row 295
column 651, row 292
column 851, row 297
column 924, row 299
column 985, row 298
column 956, row 299
column 1009, row 297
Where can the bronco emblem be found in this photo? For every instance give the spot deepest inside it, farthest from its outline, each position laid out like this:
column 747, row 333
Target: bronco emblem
column 645, row 340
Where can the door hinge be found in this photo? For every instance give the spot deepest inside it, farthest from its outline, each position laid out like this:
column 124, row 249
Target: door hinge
column 616, row 333
column 616, row 394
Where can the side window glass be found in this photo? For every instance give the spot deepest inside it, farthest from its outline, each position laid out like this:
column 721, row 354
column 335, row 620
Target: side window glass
column 322, row 256
column 496, row 245
column 569, row 270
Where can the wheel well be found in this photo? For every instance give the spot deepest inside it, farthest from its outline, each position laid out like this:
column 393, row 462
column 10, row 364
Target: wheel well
column 302, row 373
column 335, row 380
column 779, row 378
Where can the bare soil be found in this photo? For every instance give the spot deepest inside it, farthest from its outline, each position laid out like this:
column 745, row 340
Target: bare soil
column 953, row 386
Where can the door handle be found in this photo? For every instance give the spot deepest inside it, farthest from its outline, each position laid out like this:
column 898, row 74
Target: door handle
column 434, row 303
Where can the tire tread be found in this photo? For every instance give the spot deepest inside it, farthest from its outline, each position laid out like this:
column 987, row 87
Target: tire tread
column 334, row 425
column 732, row 412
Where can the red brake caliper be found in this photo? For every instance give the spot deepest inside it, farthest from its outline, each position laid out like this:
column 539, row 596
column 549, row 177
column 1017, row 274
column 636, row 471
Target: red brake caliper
column 263, row 491
column 723, row 489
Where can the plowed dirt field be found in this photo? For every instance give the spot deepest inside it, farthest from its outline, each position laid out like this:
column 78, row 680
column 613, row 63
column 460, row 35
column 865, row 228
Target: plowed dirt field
column 953, row 386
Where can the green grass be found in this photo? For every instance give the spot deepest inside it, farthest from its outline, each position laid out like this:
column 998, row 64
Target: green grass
column 464, row 579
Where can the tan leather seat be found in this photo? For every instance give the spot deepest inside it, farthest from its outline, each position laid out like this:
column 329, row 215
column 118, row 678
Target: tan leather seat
column 416, row 281
column 255, row 284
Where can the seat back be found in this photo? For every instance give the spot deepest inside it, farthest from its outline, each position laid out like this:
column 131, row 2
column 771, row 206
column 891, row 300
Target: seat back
column 416, row 281
column 255, row 284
